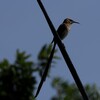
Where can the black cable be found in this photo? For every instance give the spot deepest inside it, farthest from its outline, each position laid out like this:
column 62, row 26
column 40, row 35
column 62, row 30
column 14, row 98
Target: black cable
column 46, row 70
column 64, row 53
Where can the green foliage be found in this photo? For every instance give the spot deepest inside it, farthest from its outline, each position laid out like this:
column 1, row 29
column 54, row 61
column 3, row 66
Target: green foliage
column 43, row 58
column 93, row 92
column 16, row 80
column 69, row 91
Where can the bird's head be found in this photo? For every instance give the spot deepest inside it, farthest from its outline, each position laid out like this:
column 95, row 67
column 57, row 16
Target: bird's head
column 69, row 21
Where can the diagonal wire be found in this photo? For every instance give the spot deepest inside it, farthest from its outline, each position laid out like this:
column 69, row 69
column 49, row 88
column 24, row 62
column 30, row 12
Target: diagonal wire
column 46, row 70
column 64, row 53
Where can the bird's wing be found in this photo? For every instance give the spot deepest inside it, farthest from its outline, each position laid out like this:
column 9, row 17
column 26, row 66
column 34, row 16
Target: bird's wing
column 61, row 30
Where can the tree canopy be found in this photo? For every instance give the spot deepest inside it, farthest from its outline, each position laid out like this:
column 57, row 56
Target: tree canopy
column 18, row 80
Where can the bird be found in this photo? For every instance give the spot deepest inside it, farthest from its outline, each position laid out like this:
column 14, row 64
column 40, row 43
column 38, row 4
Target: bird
column 62, row 32
column 64, row 28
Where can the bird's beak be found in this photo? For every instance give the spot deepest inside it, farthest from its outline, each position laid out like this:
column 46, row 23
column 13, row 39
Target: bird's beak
column 76, row 22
